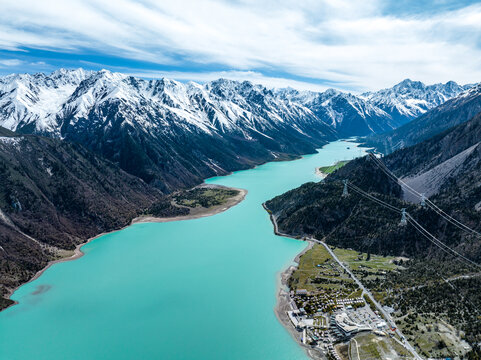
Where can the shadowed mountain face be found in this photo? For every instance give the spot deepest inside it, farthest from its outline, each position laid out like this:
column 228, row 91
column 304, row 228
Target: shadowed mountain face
column 55, row 195
column 173, row 135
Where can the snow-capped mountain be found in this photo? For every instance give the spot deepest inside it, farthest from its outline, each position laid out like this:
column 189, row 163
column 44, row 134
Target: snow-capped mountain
column 168, row 133
column 37, row 99
column 374, row 112
column 350, row 115
column 453, row 112
column 174, row 134
column 409, row 99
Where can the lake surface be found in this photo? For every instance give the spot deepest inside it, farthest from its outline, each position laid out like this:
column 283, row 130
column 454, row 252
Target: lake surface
column 195, row 289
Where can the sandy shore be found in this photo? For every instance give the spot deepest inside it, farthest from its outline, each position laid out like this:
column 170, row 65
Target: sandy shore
column 320, row 173
column 283, row 299
column 195, row 214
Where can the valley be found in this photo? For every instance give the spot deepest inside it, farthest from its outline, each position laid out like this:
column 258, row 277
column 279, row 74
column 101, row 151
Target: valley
column 430, row 293
column 152, row 143
column 152, row 272
column 55, row 196
column 240, row 180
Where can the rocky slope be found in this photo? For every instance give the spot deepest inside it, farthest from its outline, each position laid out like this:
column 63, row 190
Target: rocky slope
column 173, row 135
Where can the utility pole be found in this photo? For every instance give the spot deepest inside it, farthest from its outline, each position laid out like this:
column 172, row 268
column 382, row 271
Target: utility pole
column 403, row 218
column 344, row 191
column 423, row 200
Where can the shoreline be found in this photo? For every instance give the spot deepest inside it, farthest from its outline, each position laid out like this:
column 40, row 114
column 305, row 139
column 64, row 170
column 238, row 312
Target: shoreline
column 78, row 253
column 282, row 296
column 197, row 213
column 321, row 174
column 283, row 305
column 152, row 219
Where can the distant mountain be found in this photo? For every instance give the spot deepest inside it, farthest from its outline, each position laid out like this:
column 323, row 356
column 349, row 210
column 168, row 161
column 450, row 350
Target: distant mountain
column 174, row 135
column 450, row 113
column 348, row 114
column 55, row 195
column 170, row 134
column 410, row 99
column 374, row 112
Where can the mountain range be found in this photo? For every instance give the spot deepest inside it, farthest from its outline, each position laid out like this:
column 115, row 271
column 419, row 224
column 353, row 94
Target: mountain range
column 455, row 111
column 84, row 152
column 173, row 135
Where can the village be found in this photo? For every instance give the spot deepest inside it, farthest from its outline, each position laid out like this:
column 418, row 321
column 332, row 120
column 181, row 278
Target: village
column 332, row 315
column 337, row 320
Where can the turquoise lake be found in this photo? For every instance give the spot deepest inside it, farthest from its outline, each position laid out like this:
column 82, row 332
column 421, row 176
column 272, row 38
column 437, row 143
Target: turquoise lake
column 195, row 289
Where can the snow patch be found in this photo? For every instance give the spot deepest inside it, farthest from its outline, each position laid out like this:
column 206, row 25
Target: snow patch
column 10, row 140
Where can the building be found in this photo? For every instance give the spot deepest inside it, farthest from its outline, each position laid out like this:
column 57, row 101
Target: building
column 347, row 327
column 301, row 292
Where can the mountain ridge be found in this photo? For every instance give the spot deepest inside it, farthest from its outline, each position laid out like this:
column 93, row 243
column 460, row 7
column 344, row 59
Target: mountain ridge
column 454, row 111
column 173, row 135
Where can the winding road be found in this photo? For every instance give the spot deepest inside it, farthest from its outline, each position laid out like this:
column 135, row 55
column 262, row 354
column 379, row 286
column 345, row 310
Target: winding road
column 384, row 313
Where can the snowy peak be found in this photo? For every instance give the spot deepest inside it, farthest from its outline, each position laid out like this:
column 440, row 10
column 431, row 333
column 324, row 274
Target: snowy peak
column 410, row 99
column 413, row 98
column 43, row 103
column 35, row 100
column 174, row 134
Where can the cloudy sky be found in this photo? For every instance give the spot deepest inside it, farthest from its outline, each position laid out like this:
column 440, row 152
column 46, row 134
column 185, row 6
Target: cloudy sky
column 352, row 45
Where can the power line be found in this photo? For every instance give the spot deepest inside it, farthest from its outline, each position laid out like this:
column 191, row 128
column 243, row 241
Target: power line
column 426, row 234
column 415, row 224
column 449, row 218
column 379, row 201
column 439, row 243
column 428, row 202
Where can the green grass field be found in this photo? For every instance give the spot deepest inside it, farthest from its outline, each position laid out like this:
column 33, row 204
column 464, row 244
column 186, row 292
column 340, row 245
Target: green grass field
column 358, row 261
column 331, row 168
column 370, row 346
column 316, row 263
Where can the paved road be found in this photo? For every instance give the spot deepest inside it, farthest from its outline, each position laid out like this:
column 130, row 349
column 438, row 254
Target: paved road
column 357, row 349
column 386, row 316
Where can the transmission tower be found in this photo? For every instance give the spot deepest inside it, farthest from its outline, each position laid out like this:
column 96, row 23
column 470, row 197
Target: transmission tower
column 403, row 217
column 423, row 200
column 344, row 191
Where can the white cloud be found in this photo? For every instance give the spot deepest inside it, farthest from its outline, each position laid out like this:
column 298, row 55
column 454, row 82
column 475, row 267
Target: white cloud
column 345, row 41
column 10, row 62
